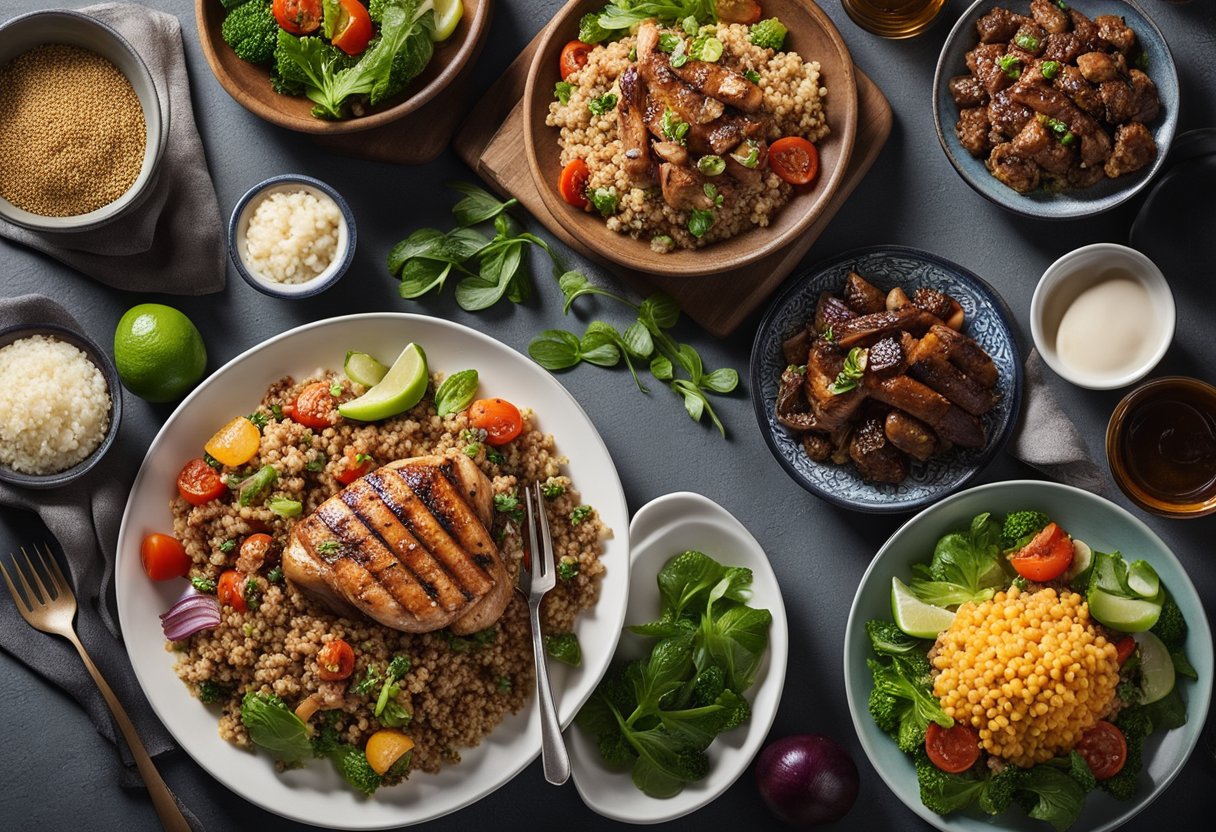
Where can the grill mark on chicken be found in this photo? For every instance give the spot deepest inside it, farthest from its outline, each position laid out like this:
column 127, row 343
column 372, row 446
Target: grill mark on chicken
column 443, row 497
column 721, row 83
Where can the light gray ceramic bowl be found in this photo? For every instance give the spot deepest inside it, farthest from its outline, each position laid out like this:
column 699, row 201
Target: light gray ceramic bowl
column 1098, row 522
column 1073, row 202
column 22, row 34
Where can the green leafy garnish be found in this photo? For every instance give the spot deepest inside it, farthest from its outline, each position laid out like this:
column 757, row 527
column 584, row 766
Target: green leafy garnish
column 456, row 392
column 562, row 90
column 565, row 648
column 849, row 375
column 604, row 104
column 711, row 165
column 699, row 222
column 752, row 75
column 604, row 200
column 206, row 585
column 580, row 514
column 273, row 726
column 672, row 128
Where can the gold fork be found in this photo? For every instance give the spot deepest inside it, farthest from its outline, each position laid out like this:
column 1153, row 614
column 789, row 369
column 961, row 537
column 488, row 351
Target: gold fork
column 52, row 612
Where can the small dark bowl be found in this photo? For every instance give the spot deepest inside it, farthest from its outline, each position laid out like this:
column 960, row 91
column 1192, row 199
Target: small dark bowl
column 239, row 221
column 102, row 361
column 1073, row 202
column 988, row 321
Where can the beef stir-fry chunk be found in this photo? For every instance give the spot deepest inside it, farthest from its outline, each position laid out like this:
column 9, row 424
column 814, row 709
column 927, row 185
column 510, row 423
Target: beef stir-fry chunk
column 1048, row 96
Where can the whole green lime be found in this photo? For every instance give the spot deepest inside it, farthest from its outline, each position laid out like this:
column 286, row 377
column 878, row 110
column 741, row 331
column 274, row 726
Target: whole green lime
column 159, row 352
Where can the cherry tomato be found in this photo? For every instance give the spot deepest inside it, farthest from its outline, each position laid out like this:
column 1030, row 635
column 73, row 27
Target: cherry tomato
column 231, row 590
column 794, row 159
column 336, row 660
column 952, row 749
column 314, row 407
column 1105, row 749
column 573, row 57
column 354, row 29
column 199, row 483
column 354, row 466
column 1126, row 646
column 300, row 17
column 739, row 11
column 255, row 547
column 163, row 557
column 498, row 418
column 572, row 184
column 1046, row 557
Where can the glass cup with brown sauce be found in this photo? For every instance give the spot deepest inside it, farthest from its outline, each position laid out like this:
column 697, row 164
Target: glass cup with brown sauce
column 893, row 19
column 1161, row 446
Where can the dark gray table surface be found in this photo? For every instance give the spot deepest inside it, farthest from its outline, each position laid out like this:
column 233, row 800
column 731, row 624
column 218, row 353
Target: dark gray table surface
column 59, row 774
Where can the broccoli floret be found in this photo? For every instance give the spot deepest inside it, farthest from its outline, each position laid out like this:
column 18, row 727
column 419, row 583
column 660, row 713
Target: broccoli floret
column 327, row 739
column 352, row 764
column 1171, row 626
column 1136, row 725
column 708, row 686
column 210, row 692
column 999, row 789
column 768, row 34
column 944, row 793
column 375, row 9
column 1080, row 771
column 399, row 666
column 250, row 29
column 1022, row 524
column 903, row 706
column 885, row 709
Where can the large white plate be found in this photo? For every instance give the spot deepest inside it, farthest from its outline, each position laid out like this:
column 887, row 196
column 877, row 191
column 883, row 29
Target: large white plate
column 660, row 530
column 315, row 794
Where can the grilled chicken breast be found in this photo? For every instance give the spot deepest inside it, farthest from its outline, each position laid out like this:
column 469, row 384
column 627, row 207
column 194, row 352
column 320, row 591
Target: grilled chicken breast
column 406, row 545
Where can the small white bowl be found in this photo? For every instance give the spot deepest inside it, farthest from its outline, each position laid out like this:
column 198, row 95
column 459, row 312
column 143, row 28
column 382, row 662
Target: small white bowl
column 28, row 31
column 238, row 225
column 1079, row 270
column 661, row 529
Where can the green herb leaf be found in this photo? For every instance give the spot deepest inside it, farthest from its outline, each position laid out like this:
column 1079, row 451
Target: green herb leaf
column 752, row 75
column 672, row 128
column 661, row 368
column 722, row 380
column 699, row 222
column 456, row 392
column 562, row 90
column 555, row 349
column 478, row 204
column 604, row 200
column 711, row 165
column 605, row 103
column 275, row 728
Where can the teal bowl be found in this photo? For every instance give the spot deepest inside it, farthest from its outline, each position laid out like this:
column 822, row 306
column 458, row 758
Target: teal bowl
column 1098, row 522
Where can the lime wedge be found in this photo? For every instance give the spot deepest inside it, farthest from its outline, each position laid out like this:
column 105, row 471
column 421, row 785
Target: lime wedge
column 362, row 368
column 1128, row 615
column 914, row 616
column 1142, row 579
column 447, row 18
column 400, row 389
column 1156, row 668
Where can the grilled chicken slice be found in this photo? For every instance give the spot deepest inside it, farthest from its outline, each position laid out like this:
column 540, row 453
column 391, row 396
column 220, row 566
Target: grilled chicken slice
column 677, row 154
column 665, row 87
column 406, row 545
column 929, row 363
column 631, row 123
column 721, row 83
column 683, row 188
column 830, row 410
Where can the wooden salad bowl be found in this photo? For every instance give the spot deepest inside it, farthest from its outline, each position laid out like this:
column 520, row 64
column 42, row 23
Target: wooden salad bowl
column 812, row 35
column 249, row 83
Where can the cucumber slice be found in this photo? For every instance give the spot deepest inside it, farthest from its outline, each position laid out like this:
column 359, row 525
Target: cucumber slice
column 1157, row 674
column 362, row 368
column 1129, row 615
column 1142, row 579
column 447, row 17
column 1082, row 559
column 1108, row 574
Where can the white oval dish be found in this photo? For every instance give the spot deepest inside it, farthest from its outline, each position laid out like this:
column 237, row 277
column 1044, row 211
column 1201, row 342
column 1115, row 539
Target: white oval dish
column 662, row 528
column 1071, row 275
column 315, row 794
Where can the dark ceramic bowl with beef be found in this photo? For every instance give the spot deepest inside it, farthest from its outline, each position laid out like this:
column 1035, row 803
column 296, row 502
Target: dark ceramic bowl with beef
column 1055, row 113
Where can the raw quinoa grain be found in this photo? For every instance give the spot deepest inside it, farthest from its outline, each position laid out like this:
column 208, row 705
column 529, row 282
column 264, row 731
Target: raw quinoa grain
column 72, row 131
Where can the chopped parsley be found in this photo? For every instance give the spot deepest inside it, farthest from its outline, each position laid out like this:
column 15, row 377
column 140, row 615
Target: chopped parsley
column 580, row 514
column 567, row 568
column 562, row 90
column 1027, row 41
column 712, row 192
column 672, row 128
column 275, row 576
column 508, row 504
column 276, row 411
column 259, row 419
column 552, row 489
column 699, row 222
column 800, row 369
column 209, row 693
column 328, row 547
column 1011, row 65
column 253, row 594
column 472, row 449
column 203, row 584
column 494, row 456
column 604, row 104
column 1049, row 69
column 504, row 684
column 752, row 75
column 668, row 42
column 228, row 545
column 315, row 465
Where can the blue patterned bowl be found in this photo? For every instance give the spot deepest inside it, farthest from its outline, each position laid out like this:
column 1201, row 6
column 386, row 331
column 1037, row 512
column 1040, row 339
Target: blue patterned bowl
column 1073, row 202
column 988, row 322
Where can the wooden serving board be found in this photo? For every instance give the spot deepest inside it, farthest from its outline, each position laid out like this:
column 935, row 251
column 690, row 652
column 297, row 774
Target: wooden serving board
column 491, row 142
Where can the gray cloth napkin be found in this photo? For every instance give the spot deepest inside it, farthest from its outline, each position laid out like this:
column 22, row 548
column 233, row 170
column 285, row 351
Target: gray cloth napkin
column 84, row 518
column 174, row 241
column 1046, row 438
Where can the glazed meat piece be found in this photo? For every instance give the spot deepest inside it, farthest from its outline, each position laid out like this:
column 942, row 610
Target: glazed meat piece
column 671, row 152
column 1086, row 32
column 1030, row 40
column 1084, row 94
column 1016, row 171
column 406, row 545
column 967, row 355
column 1007, row 117
column 792, row 408
column 1116, row 32
column 947, row 420
column 998, row 25
column 817, row 446
column 1095, row 143
column 1098, row 67
column 911, row 435
column 726, row 85
column 683, row 188
column 972, row 130
column 831, row 312
column 967, row 91
column 631, row 124
column 866, row 329
column 727, row 133
column 1063, row 47
column 831, row 410
column 1147, row 104
column 665, row 88
column 1042, row 147
column 1118, row 101
column 886, row 357
column 940, row 305
column 984, row 63
column 794, row 349
column 1134, row 148
column 928, row 363
column 877, row 459
column 1048, row 15
column 862, row 296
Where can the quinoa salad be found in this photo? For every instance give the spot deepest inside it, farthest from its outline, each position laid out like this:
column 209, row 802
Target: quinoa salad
column 1025, row 668
column 353, row 683
column 683, row 134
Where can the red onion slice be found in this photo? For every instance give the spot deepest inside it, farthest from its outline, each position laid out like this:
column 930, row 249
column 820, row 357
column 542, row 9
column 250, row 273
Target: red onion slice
column 193, row 612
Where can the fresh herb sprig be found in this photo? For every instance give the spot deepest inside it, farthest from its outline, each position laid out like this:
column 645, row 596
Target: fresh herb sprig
column 619, row 16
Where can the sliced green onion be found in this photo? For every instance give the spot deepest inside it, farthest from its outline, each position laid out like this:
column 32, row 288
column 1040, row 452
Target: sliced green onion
column 711, row 165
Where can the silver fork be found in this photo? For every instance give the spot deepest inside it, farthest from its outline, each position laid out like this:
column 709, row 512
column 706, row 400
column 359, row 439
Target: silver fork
column 51, row 609
column 537, row 575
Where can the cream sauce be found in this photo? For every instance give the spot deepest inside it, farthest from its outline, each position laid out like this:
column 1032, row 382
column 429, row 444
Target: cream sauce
column 1107, row 330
